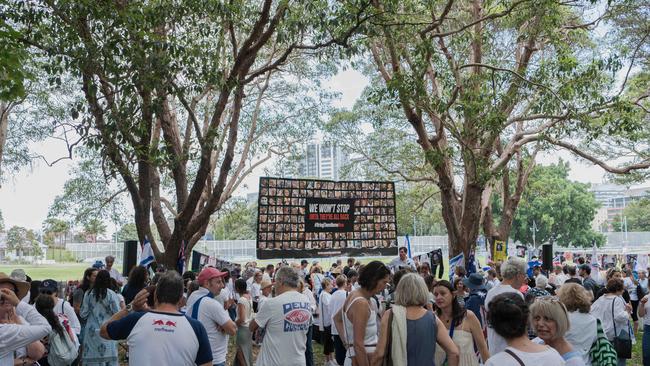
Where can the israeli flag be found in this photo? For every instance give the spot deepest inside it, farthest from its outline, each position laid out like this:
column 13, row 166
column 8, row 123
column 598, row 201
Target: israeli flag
column 458, row 260
column 147, row 256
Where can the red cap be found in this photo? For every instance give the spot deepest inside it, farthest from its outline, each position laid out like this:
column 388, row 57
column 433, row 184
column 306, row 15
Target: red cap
column 209, row 273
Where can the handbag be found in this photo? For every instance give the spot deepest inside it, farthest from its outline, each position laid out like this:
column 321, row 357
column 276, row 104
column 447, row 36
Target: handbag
column 388, row 359
column 622, row 341
column 602, row 353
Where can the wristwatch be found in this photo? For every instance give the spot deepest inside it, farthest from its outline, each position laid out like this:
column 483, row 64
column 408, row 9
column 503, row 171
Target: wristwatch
column 129, row 307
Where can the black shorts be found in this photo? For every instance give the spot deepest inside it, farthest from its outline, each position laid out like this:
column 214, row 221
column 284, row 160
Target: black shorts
column 635, row 306
column 328, row 343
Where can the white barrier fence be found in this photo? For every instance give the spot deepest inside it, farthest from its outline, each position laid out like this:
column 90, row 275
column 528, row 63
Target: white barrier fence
column 242, row 250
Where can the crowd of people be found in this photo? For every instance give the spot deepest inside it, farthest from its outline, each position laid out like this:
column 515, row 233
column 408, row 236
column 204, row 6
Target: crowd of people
column 362, row 314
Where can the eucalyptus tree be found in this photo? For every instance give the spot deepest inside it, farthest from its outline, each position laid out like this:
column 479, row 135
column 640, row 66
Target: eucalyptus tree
column 183, row 99
column 484, row 85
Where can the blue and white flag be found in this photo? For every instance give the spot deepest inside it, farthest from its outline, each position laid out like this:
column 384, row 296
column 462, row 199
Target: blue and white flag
column 180, row 264
column 147, row 257
column 458, row 260
column 408, row 245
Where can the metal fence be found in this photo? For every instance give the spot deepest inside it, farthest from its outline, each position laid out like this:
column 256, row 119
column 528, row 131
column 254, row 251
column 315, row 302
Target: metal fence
column 242, row 250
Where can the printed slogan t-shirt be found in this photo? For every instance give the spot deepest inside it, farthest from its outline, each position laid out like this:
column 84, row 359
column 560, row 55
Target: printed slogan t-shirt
column 287, row 319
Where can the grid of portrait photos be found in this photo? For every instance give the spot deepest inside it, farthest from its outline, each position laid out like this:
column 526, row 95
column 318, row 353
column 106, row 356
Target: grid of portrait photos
column 281, row 216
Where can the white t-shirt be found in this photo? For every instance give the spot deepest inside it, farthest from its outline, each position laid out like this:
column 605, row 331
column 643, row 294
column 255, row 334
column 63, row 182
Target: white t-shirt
column 116, row 275
column 63, row 307
column 157, row 339
column 255, row 291
column 212, row 315
column 631, row 288
column 336, row 303
column 497, row 343
column 582, row 333
column 324, row 307
column 287, row 319
column 547, row 357
column 646, row 317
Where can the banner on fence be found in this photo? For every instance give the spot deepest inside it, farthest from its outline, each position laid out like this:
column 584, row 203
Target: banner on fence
column 300, row 218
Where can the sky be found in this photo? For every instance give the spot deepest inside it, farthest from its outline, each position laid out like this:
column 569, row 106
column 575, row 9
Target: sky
column 25, row 198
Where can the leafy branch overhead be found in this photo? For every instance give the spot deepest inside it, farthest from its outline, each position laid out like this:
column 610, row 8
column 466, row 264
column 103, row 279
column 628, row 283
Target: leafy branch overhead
column 177, row 96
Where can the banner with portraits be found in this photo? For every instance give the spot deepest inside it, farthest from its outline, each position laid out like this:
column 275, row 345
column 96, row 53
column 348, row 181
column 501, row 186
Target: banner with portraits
column 303, row 218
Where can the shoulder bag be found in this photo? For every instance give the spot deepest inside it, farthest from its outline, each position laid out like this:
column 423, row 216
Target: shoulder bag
column 622, row 341
column 602, row 353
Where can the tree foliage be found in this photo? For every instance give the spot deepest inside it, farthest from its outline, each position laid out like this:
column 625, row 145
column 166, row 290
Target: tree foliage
column 93, row 228
column 238, row 221
column 483, row 86
column 562, row 210
column 637, row 216
column 183, row 99
column 23, row 241
column 56, row 231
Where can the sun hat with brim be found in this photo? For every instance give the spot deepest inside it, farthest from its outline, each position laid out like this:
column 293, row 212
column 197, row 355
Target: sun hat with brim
column 474, row 282
column 22, row 287
column 265, row 283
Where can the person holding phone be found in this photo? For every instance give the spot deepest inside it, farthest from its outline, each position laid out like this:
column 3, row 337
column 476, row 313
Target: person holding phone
column 14, row 335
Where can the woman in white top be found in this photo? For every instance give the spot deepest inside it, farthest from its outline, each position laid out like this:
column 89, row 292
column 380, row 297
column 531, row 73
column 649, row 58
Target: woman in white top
column 630, row 284
column 325, row 319
column 582, row 325
column 244, row 342
column 644, row 311
column 356, row 322
column 463, row 326
column 508, row 317
column 613, row 311
column 550, row 320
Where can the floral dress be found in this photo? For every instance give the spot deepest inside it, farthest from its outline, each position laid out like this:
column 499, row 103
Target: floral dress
column 98, row 351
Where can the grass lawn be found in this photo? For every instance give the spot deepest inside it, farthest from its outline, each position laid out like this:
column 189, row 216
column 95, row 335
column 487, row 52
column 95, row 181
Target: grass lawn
column 59, row 272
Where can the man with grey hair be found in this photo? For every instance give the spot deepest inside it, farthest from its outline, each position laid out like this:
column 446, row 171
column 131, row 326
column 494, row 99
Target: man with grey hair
column 514, row 275
column 286, row 319
column 110, row 260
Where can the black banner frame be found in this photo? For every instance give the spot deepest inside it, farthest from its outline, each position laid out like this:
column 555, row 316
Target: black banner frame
column 385, row 236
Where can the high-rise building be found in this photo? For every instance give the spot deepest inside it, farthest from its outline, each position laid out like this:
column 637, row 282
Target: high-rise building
column 614, row 198
column 323, row 161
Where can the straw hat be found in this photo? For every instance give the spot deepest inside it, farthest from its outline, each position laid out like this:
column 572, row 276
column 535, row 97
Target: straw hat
column 21, row 286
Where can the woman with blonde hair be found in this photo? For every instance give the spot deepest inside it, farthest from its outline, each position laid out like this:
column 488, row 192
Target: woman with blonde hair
column 413, row 331
column 550, row 319
column 582, row 325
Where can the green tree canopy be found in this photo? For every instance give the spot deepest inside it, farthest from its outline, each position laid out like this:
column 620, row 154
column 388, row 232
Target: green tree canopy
column 637, row 216
column 56, row 229
column 561, row 209
column 93, row 228
column 236, row 222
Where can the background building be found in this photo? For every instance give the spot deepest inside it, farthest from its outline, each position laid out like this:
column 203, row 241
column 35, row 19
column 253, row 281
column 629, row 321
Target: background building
column 322, row 161
column 614, row 199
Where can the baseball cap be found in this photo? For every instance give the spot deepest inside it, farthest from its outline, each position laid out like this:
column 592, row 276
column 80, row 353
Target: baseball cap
column 49, row 285
column 209, row 273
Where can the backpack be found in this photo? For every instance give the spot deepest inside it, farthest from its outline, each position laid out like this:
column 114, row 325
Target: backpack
column 63, row 349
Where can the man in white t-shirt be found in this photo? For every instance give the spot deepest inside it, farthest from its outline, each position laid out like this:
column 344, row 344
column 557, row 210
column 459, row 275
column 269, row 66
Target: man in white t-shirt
column 203, row 306
column 286, row 319
column 63, row 309
column 402, row 261
column 161, row 336
column 514, row 276
column 110, row 260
